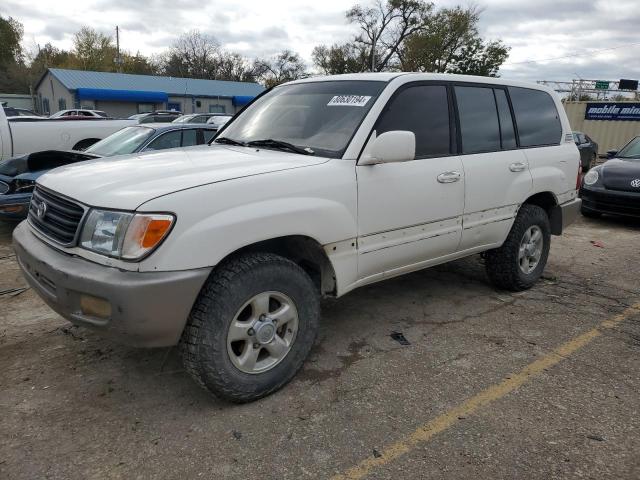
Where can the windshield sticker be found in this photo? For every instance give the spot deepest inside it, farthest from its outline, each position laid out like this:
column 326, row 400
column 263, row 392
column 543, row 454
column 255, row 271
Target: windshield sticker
column 349, row 101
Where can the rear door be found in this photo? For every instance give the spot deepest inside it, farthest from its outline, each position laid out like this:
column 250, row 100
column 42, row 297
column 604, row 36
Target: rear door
column 497, row 176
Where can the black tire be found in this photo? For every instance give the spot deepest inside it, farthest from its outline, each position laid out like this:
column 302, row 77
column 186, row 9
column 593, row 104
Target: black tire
column 502, row 264
column 204, row 341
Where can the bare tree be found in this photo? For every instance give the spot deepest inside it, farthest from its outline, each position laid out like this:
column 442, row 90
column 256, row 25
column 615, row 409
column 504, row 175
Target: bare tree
column 284, row 67
column 385, row 26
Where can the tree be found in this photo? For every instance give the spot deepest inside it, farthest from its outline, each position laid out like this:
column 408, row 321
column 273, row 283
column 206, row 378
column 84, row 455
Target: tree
column 11, row 32
column 193, row 55
column 385, row 27
column 451, row 43
column 234, row 67
column 284, row 67
column 339, row 59
column 94, row 50
column 412, row 35
column 12, row 68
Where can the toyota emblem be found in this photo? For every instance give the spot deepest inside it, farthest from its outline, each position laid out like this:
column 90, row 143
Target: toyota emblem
column 41, row 210
column 635, row 183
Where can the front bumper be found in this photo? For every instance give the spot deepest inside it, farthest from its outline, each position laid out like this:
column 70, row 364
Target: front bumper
column 611, row 202
column 146, row 309
column 14, row 206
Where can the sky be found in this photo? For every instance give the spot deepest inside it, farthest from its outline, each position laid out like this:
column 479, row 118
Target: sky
column 550, row 39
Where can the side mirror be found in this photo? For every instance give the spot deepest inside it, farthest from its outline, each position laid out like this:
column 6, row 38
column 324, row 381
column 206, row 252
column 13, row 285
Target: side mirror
column 611, row 153
column 394, row 146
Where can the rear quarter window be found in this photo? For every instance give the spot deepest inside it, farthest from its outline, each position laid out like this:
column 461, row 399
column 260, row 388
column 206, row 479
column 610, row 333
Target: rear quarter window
column 536, row 117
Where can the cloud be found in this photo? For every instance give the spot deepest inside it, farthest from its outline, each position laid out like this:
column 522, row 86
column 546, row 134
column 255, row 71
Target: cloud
column 537, row 31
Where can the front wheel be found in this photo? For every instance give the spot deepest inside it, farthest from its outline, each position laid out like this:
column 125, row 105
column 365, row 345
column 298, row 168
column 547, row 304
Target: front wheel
column 251, row 327
column 519, row 262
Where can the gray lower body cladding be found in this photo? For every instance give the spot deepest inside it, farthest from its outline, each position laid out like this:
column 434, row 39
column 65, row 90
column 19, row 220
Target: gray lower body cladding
column 145, row 309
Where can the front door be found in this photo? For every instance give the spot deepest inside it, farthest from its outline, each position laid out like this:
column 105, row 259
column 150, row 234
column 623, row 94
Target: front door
column 411, row 212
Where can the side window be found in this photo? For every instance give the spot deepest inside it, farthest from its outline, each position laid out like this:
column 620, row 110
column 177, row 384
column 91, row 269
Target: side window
column 189, row 137
column 208, row 135
column 423, row 110
column 479, row 124
column 536, row 116
column 200, row 119
column 168, row 140
column 507, row 132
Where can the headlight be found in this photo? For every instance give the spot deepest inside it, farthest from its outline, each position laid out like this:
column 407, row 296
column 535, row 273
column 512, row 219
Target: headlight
column 124, row 235
column 591, row 177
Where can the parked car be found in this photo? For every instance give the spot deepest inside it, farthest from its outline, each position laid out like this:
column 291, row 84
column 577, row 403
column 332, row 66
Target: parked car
column 18, row 176
column 614, row 187
column 20, row 138
column 588, row 150
column 195, row 118
column 219, row 120
column 320, row 186
column 160, row 116
column 79, row 112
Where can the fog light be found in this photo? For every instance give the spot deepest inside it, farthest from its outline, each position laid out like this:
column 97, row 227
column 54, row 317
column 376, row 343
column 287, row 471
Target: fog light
column 95, row 307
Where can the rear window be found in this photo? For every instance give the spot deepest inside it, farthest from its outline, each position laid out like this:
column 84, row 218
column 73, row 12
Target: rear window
column 536, row 117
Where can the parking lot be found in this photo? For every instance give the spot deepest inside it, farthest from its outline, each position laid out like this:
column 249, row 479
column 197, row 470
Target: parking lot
column 539, row 384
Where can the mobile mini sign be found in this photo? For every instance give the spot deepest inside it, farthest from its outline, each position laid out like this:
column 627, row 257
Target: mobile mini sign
column 612, row 111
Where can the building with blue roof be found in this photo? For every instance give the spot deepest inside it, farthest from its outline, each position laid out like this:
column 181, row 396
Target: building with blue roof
column 124, row 94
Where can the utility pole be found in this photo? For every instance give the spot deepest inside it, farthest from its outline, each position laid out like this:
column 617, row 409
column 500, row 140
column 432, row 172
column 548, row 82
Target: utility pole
column 118, row 59
column 373, row 52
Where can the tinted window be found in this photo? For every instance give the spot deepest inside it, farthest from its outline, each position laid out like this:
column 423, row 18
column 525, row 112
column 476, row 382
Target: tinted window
column 536, row 116
column 423, row 110
column 479, row 125
column 507, row 132
column 168, row 140
column 200, row 119
column 189, row 137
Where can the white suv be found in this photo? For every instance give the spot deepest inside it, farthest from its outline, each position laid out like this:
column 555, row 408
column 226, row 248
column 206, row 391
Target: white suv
column 318, row 187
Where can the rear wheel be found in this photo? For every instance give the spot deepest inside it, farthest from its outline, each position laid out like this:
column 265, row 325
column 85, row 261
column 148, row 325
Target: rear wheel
column 521, row 259
column 252, row 327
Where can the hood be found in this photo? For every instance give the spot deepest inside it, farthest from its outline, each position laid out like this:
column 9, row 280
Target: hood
column 127, row 181
column 618, row 173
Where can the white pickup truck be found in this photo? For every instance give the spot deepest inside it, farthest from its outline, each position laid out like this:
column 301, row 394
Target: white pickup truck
column 318, row 187
column 20, row 138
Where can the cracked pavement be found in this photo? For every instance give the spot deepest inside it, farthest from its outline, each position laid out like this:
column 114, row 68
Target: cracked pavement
column 78, row 406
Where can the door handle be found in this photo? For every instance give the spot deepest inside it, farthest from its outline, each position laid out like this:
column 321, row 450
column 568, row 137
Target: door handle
column 449, row 177
column 517, row 167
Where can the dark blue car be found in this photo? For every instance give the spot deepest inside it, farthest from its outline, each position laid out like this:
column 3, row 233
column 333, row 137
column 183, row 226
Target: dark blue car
column 18, row 175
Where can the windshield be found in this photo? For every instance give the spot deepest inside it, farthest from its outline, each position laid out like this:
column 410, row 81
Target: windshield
column 631, row 149
column 321, row 116
column 124, row 141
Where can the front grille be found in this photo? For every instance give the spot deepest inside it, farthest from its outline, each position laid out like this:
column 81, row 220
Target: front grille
column 54, row 216
column 4, row 188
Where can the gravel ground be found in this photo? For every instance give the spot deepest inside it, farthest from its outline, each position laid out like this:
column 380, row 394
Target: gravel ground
column 77, row 406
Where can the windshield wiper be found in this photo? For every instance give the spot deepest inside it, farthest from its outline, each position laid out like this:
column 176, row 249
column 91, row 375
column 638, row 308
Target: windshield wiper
column 230, row 141
column 279, row 144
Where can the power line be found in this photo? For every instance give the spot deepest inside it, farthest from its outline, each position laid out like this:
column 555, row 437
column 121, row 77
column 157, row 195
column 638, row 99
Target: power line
column 574, row 54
